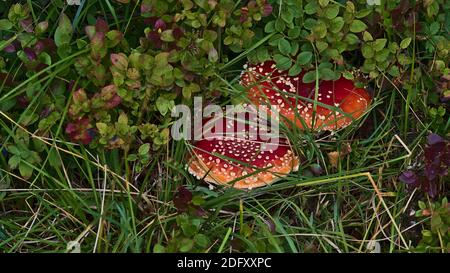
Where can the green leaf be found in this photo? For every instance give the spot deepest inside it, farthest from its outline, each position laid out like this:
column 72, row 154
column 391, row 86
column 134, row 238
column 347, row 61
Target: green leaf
column 295, row 70
column 25, row 170
column 336, row 24
column 189, row 89
column 304, row 57
column 144, row 149
column 367, row 51
column 163, row 105
column 280, row 25
column 269, row 27
column 324, row 3
column 102, row 128
column 348, row 75
column 187, row 93
column 332, row 11
column 132, row 157
column 350, row 8
column 309, row 23
column 325, row 64
column 81, row 43
column 262, row 54
column 368, row 66
column 367, row 37
column 393, row 71
column 287, row 16
column 167, row 36
column 13, row 162
column 320, row 29
column 357, row 26
column 393, row 47
column 282, row 62
column 422, row 205
column 311, row 8
column 294, row 47
column 123, row 119
column 14, row 150
column 41, row 27
column 5, row 24
column 333, row 53
column 403, row 59
column 294, row 33
column 327, row 74
column 405, row 42
column 213, row 55
column 162, row 59
column 309, row 76
column 201, row 240
column 284, row 46
column 341, row 46
column 53, row 158
column 186, row 244
column 436, row 222
column 198, row 200
column 228, row 40
column 434, row 28
column 363, row 13
column 382, row 55
column 321, row 46
column 274, row 40
column 379, row 44
column 210, row 35
column 159, row 249
column 351, row 38
column 63, row 32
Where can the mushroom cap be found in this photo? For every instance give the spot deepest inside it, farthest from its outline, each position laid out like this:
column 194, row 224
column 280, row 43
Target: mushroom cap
column 239, row 160
column 339, row 102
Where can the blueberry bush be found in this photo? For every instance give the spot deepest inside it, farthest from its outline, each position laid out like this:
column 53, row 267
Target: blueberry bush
column 86, row 94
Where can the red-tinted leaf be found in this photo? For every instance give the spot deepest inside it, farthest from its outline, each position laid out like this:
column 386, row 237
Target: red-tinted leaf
column 101, row 25
column 114, row 102
column 316, row 169
column 79, row 96
column 119, row 61
column 81, row 131
column 155, row 39
column 429, row 186
column 267, row 10
column 10, row 48
column 98, row 48
column 71, row 86
column 198, row 211
column 6, row 78
column 45, row 45
column 40, row 66
column 146, row 8
column 182, row 199
column 178, row 33
column 31, row 55
column 23, row 101
column 160, row 25
column 27, row 25
column 434, row 139
column 410, row 178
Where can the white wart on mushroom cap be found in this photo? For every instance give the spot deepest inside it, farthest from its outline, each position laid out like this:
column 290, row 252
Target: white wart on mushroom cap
column 341, row 101
column 239, row 160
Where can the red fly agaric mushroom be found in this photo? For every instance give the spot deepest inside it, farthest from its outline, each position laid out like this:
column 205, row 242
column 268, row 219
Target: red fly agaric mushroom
column 240, row 161
column 339, row 102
